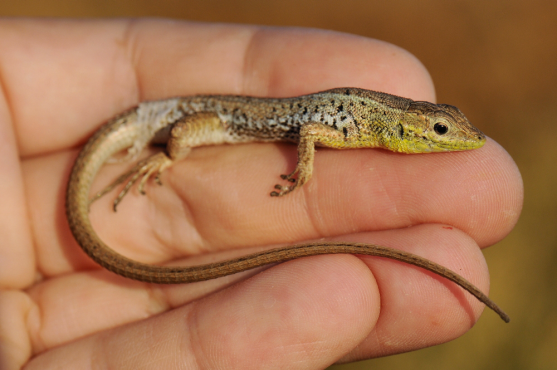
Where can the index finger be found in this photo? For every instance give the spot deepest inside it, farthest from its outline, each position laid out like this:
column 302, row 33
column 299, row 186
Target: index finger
column 77, row 74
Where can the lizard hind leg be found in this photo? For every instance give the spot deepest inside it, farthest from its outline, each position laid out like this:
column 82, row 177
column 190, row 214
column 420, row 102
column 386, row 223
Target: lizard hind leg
column 142, row 171
column 190, row 131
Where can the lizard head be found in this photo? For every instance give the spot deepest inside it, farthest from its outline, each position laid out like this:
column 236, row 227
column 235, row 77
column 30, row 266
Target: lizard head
column 428, row 127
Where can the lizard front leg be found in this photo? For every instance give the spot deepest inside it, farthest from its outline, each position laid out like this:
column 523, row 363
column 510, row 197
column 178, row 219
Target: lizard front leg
column 310, row 134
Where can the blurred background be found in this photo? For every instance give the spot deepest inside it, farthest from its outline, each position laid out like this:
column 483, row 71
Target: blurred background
column 495, row 60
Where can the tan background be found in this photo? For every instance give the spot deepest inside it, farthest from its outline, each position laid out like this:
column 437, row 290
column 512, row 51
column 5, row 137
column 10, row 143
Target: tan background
column 497, row 61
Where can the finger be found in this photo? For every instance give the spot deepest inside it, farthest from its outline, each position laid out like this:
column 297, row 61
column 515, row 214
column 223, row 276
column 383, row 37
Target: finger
column 218, row 199
column 420, row 309
column 17, row 314
column 89, row 302
column 17, row 261
column 479, row 192
column 100, row 68
column 428, row 309
column 281, row 318
column 385, row 67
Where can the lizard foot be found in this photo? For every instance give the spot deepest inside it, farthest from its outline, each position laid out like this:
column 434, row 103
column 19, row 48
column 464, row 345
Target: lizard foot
column 143, row 170
column 285, row 189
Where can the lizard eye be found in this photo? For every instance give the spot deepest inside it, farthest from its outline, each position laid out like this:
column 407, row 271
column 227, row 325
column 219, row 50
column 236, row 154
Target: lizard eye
column 440, row 128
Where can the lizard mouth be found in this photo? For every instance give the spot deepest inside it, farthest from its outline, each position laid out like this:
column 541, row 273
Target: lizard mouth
column 476, row 143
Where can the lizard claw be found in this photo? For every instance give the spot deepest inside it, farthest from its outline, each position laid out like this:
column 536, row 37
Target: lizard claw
column 283, row 189
column 142, row 171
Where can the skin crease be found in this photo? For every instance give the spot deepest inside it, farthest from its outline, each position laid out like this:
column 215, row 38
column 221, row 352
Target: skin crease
column 58, row 309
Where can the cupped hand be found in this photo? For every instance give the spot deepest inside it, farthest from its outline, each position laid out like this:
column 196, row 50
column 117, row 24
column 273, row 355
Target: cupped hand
column 62, row 79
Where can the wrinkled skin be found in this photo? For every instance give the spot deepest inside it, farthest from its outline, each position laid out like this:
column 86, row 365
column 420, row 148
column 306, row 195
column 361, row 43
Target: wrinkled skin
column 62, row 79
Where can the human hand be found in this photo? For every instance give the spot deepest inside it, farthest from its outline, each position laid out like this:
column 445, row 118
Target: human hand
column 61, row 79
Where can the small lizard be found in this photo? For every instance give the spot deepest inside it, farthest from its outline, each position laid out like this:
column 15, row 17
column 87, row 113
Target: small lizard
column 337, row 118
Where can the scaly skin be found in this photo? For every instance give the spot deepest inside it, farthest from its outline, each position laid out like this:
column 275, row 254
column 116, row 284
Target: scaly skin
column 338, row 118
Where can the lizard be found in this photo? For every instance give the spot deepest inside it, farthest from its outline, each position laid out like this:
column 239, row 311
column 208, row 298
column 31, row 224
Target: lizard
column 339, row 118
